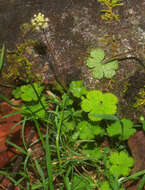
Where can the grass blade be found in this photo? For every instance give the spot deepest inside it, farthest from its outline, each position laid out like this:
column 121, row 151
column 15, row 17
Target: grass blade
column 39, row 133
column 2, row 57
column 10, row 114
column 48, row 161
column 142, row 183
column 41, row 173
column 2, row 97
column 17, row 147
column 132, row 177
column 23, row 134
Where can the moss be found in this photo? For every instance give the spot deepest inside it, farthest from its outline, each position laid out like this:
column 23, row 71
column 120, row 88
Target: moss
column 141, row 99
column 109, row 15
column 126, row 85
column 110, row 41
column 17, row 61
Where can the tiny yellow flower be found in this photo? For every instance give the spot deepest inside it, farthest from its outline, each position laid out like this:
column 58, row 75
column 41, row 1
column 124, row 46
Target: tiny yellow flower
column 39, row 21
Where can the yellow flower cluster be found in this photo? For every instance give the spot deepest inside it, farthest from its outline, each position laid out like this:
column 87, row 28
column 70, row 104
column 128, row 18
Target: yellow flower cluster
column 39, row 21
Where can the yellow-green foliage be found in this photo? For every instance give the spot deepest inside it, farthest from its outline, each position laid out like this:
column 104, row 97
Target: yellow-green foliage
column 25, row 29
column 109, row 15
column 126, row 86
column 140, row 101
column 17, row 61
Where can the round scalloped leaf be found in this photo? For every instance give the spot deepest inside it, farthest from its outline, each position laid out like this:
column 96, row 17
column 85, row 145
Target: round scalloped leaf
column 89, row 131
column 125, row 171
column 112, row 65
column 124, row 131
column 115, row 170
column 77, row 88
column 109, row 73
column 109, row 69
column 28, row 94
column 128, row 129
column 94, row 154
column 98, row 71
column 97, row 55
column 91, row 62
column 98, row 103
column 91, row 101
column 114, row 158
column 124, row 159
column 97, row 94
column 105, row 186
column 121, row 164
column 17, row 92
column 36, row 110
column 109, row 98
column 114, row 129
column 86, row 130
column 109, row 103
column 86, row 106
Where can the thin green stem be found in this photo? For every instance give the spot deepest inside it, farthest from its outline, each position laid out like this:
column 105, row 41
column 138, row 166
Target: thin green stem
column 39, row 133
column 2, row 56
column 134, row 176
column 59, row 130
column 53, row 62
column 49, row 161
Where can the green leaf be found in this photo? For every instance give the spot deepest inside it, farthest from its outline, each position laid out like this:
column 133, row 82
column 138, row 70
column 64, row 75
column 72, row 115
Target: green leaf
column 100, row 70
column 28, row 94
column 77, row 88
column 109, row 69
column 120, row 164
column 79, row 183
column 106, row 116
column 68, row 126
column 128, row 129
column 68, row 100
column 115, row 1
column 124, row 159
column 114, row 129
column 91, row 63
column 17, row 92
column 88, row 131
column 77, row 114
column 97, row 54
column 95, row 57
column 105, row 186
column 123, row 129
column 85, row 130
column 98, row 103
column 36, row 110
column 94, row 154
column 143, row 122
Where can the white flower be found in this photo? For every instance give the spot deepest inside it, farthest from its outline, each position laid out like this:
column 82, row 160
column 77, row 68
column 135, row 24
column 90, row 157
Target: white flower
column 39, row 21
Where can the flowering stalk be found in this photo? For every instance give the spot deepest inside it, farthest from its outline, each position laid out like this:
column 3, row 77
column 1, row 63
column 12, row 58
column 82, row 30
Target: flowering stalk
column 40, row 23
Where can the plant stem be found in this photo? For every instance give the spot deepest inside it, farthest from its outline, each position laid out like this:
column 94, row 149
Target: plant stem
column 59, row 130
column 39, row 133
column 48, row 160
column 53, row 61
